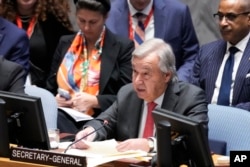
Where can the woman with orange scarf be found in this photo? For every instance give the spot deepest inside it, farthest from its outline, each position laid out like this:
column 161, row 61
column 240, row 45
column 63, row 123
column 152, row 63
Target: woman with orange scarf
column 91, row 65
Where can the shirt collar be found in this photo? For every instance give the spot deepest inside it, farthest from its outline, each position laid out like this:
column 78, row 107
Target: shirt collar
column 145, row 11
column 242, row 44
column 158, row 100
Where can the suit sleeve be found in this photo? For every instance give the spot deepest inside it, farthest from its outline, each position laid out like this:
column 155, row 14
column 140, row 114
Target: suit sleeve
column 109, row 131
column 195, row 73
column 190, row 46
column 16, row 79
column 120, row 114
column 197, row 108
column 20, row 52
column 244, row 106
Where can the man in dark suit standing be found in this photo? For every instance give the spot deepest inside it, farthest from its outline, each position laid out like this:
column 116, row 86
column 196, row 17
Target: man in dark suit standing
column 14, row 44
column 12, row 76
column 154, row 80
column 209, row 70
column 165, row 19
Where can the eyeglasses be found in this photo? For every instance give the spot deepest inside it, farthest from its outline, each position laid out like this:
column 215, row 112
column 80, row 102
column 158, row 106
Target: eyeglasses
column 228, row 16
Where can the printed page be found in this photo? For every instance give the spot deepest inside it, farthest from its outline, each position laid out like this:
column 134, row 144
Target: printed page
column 101, row 152
column 76, row 115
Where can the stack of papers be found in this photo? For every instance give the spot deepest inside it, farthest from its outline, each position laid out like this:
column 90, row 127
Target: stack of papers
column 101, row 152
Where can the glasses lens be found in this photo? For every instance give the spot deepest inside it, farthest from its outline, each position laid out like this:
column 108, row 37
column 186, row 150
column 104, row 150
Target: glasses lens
column 218, row 16
column 230, row 16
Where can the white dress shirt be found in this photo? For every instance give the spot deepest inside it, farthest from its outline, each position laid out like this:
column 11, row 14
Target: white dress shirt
column 237, row 58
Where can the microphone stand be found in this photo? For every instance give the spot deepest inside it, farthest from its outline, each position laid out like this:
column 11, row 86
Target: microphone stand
column 105, row 122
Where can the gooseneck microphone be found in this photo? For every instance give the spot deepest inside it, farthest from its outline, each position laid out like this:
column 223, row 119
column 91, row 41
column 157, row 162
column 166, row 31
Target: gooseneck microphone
column 105, row 122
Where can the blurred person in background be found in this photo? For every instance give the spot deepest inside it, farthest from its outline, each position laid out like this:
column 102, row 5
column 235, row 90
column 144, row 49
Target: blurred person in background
column 222, row 67
column 14, row 44
column 91, row 65
column 44, row 21
column 165, row 19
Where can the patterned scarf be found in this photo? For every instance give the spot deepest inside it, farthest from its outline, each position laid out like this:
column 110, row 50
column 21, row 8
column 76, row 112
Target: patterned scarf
column 80, row 71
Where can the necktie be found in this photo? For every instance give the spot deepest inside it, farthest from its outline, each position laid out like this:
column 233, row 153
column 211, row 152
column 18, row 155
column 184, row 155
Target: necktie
column 226, row 81
column 139, row 33
column 149, row 126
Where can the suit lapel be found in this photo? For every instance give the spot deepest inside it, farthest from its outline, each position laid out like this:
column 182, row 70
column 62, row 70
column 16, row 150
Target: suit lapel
column 135, row 117
column 216, row 55
column 122, row 20
column 170, row 97
column 158, row 13
column 108, row 59
column 243, row 69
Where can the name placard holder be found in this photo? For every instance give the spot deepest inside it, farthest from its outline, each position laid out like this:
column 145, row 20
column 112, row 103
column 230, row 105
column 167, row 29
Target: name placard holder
column 46, row 157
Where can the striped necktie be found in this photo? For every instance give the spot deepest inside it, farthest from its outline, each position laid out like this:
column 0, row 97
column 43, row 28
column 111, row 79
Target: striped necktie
column 139, row 33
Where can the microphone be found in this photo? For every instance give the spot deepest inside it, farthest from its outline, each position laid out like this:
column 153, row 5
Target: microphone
column 105, row 122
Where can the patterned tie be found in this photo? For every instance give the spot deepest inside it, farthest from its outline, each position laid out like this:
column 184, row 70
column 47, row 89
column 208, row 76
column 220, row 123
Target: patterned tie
column 139, row 33
column 149, row 126
column 226, row 81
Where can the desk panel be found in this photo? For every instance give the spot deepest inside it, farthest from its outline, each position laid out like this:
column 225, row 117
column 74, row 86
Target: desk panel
column 6, row 162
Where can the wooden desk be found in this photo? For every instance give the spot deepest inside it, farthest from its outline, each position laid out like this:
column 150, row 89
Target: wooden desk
column 6, row 162
column 215, row 157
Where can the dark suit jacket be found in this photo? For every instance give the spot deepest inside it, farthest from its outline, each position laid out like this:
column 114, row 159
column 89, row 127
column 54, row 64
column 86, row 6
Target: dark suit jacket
column 52, row 31
column 173, row 24
column 207, row 67
column 125, row 113
column 14, row 44
column 116, row 68
column 12, row 76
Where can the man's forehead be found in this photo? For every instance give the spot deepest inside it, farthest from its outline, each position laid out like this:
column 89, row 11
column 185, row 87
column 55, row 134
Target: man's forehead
column 144, row 63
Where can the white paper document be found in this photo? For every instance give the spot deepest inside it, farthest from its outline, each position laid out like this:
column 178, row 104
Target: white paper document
column 76, row 115
column 101, row 152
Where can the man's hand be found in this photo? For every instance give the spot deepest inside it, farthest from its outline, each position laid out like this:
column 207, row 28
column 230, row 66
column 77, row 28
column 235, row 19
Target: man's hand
column 82, row 144
column 134, row 144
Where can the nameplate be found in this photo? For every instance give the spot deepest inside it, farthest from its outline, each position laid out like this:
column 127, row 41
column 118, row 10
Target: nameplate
column 46, row 157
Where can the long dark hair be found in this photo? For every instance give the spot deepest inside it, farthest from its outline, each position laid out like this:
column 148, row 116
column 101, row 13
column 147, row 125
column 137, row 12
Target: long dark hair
column 59, row 8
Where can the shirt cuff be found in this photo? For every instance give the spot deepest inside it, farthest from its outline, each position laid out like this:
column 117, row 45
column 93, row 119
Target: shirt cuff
column 155, row 144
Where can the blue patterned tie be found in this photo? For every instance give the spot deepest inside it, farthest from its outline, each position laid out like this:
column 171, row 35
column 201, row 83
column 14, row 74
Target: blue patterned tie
column 226, row 81
column 139, row 33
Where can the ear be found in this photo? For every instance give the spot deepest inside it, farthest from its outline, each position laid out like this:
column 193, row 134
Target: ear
column 248, row 16
column 106, row 16
column 168, row 76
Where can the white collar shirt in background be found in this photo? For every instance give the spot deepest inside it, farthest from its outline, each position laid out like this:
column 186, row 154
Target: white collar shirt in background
column 237, row 58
